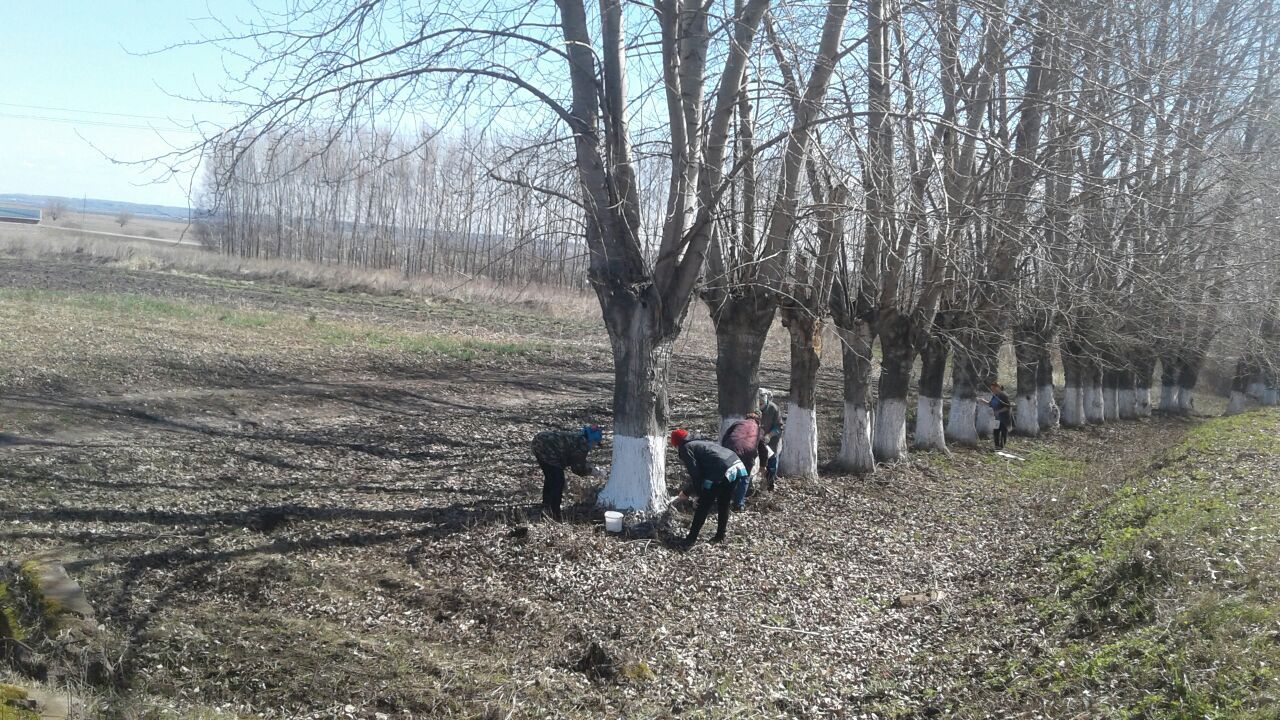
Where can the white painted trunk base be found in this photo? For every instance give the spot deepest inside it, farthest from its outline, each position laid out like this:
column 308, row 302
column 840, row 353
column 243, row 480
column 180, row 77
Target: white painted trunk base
column 1127, row 400
column 1026, row 418
column 1237, row 403
column 1110, row 404
column 1072, row 406
column 889, row 437
column 1093, row 404
column 962, row 426
column 799, row 454
column 930, row 434
column 1142, row 402
column 638, row 477
column 1271, row 396
column 1169, row 398
column 1047, row 408
column 1186, row 400
column 855, row 440
column 1257, row 390
column 986, row 421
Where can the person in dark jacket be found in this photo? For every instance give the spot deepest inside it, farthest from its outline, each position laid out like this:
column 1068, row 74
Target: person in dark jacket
column 1003, row 408
column 771, row 428
column 556, row 451
column 744, row 438
column 714, row 474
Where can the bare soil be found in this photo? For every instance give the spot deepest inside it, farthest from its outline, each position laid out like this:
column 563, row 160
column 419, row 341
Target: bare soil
column 278, row 523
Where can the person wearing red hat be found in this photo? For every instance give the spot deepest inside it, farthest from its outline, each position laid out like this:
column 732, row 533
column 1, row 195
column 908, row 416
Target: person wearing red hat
column 714, row 474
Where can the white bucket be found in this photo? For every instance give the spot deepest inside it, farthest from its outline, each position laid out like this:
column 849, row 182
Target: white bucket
column 613, row 521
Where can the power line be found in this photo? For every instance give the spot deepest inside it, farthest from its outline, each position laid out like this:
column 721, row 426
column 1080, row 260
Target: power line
column 87, row 112
column 97, row 123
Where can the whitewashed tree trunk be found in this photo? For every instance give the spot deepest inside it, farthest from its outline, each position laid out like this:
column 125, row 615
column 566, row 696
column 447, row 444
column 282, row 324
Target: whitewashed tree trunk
column 1073, row 406
column 1047, row 411
column 1110, row 396
column 1142, row 401
column 855, row 440
column 798, row 456
column 1127, row 402
column 1271, row 397
column 856, row 455
column 890, row 439
column 929, row 433
column 1186, row 401
column 1073, row 391
column 1026, row 417
column 889, row 433
column 929, row 427
column 1093, row 400
column 637, row 476
column 986, row 420
column 1239, row 401
column 962, row 420
column 636, row 462
column 1168, row 398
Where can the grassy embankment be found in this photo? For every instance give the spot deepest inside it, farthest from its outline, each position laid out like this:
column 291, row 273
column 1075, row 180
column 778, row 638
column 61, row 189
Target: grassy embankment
column 1169, row 605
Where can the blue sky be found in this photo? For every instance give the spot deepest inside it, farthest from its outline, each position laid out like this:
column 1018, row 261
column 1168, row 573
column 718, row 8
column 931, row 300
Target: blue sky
column 74, row 93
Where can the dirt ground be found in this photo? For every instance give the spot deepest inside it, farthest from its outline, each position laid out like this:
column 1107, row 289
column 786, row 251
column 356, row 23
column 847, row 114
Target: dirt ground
column 293, row 503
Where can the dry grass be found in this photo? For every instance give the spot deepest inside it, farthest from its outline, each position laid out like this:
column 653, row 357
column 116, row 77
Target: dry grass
column 26, row 241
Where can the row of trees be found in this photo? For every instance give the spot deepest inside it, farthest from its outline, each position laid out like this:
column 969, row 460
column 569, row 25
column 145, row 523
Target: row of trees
column 419, row 203
column 1089, row 181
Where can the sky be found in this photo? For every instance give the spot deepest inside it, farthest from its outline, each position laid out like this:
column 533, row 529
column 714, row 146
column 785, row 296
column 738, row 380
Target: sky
column 79, row 100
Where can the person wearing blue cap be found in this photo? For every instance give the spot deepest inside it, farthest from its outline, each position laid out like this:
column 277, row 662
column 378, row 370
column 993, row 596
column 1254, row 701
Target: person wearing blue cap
column 558, row 450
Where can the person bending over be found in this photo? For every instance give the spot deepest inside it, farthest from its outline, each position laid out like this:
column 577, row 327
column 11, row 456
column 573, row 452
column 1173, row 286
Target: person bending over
column 558, row 450
column 744, row 438
column 714, row 474
column 1003, row 408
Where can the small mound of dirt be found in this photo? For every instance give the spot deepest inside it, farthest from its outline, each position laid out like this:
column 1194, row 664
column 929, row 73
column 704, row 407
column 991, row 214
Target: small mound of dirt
column 598, row 663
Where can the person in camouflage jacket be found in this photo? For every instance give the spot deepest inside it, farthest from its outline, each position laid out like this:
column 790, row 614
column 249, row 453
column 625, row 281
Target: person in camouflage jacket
column 557, row 451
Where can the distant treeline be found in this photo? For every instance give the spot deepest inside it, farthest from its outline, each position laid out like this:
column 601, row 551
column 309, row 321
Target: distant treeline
column 421, row 204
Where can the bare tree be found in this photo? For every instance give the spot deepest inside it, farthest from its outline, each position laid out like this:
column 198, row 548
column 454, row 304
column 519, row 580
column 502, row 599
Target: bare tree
column 55, row 208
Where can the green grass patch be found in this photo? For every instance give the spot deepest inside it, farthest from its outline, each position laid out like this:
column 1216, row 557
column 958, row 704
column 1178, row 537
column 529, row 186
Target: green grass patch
column 293, row 327
column 1171, row 608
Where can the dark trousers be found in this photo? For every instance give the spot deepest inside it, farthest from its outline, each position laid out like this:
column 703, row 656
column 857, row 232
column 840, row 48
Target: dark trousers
column 1002, row 430
column 719, row 494
column 552, row 488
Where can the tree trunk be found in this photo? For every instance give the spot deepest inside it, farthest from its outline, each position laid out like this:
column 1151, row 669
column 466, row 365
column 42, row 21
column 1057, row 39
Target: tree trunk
column 1144, row 368
column 1169, row 385
column 1110, row 392
column 799, row 454
column 1026, row 348
column 855, row 437
column 1073, row 390
column 1188, row 376
column 889, row 438
column 741, row 330
column 1239, row 388
column 933, row 367
column 1094, row 412
column 962, row 427
column 637, row 477
column 1126, row 396
column 1047, row 411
